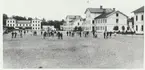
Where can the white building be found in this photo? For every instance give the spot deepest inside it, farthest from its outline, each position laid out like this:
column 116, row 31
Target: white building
column 139, row 20
column 71, row 22
column 48, row 27
column 34, row 24
column 92, row 13
column 108, row 20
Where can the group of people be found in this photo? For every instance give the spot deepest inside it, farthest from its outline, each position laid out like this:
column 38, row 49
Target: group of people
column 52, row 34
column 107, row 34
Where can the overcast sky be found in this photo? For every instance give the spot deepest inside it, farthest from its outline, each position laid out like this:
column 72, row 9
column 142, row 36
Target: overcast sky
column 58, row 9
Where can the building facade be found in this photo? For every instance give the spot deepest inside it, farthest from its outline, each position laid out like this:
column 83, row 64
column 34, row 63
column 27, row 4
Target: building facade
column 34, row 24
column 92, row 13
column 107, row 21
column 139, row 20
column 71, row 22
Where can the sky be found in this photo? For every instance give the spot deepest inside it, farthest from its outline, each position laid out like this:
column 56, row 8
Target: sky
column 59, row 9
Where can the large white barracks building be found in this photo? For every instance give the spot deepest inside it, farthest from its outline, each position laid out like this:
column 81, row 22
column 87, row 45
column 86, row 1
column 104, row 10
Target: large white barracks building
column 34, row 24
column 139, row 20
column 101, row 19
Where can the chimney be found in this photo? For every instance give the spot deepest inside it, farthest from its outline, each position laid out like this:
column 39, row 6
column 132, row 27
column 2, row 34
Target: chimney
column 113, row 9
column 101, row 7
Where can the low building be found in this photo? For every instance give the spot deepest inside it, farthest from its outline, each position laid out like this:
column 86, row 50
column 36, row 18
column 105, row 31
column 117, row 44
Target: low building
column 107, row 21
column 139, row 20
column 48, row 28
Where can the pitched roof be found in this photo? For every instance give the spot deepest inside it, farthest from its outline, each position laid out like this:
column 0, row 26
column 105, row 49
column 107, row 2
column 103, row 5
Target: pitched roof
column 98, row 10
column 106, row 14
column 141, row 9
column 73, row 16
column 23, row 22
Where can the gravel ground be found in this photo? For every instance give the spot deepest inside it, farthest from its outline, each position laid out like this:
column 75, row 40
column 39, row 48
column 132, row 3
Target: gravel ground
column 33, row 51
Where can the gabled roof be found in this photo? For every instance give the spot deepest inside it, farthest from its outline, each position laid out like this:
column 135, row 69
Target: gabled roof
column 107, row 14
column 141, row 9
column 23, row 22
column 97, row 10
column 73, row 16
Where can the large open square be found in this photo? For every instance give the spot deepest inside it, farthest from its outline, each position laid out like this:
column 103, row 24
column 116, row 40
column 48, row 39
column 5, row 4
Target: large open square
column 121, row 51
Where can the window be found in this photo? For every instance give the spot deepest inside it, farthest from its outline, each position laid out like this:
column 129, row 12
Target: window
column 13, row 24
column 93, row 21
column 13, row 21
column 33, row 24
column 8, row 24
column 36, row 28
column 136, row 28
column 8, row 21
column 36, row 21
column 136, row 18
column 36, row 24
column 117, row 14
column 142, row 17
column 117, row 20
column 33, row 21
column 78, row 24
column 142, row 28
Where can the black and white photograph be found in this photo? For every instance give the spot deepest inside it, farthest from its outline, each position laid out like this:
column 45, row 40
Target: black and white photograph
column 98, row 34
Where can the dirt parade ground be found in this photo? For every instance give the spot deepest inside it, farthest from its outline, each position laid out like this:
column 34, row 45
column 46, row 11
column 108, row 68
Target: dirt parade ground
column 121, row 51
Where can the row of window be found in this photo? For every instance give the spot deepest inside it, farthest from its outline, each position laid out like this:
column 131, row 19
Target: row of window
column 11, row 21
column 11, row 25
column 101, row 28
column 36, row 21
column 23, row 25
column 36, row 28
column 103, row 21
column 142, row 18
column 137, row 28
column 100, row 21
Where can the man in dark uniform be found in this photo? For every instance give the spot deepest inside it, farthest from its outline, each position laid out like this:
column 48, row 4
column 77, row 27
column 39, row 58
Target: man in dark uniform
column 12, row 34
column 104, row 34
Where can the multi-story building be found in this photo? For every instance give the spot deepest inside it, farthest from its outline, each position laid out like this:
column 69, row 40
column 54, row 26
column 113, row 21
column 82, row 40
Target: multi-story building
column 34, row 24
column 92, row 13
column 71, row 22
column 139, row 20
column 107, row 21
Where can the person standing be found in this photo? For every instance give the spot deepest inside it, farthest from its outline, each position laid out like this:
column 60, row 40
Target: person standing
column 24, row 32
column 72, row 34
column 107, row 34
column 15, row 34
column 80, row 34
column 58, row 35
column 12, row 34
column 67, row 33
column 44, row 35
column 110, row 34
column 104, row 34
column 61, row 35
column 21, row 35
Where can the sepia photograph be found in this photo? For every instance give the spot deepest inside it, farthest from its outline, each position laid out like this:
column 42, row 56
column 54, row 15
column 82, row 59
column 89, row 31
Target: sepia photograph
column 98, row 34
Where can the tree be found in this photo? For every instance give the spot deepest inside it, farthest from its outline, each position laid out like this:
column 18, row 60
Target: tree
column 29, row 18
column 115, row 28
column 19, row 18
column 5, row 17
column 79, row 28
